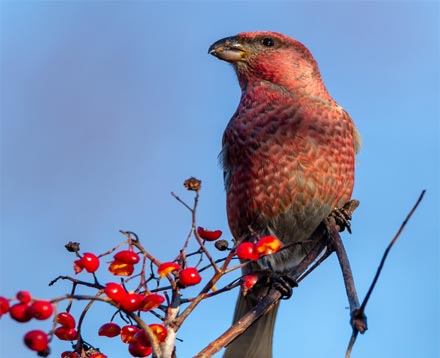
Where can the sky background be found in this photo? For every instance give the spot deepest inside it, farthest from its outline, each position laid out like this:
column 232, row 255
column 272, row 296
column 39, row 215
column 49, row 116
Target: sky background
column 107, row 107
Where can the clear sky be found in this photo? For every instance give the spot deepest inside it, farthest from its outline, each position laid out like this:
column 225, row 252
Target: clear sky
column 106, row 107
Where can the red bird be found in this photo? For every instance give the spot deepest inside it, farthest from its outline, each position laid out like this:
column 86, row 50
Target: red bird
column 288, row 156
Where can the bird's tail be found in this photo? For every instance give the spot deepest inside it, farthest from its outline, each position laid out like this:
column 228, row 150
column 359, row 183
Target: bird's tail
column 256, row 341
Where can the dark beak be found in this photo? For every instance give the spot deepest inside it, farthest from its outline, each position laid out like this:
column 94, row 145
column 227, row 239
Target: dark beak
column 228, row 49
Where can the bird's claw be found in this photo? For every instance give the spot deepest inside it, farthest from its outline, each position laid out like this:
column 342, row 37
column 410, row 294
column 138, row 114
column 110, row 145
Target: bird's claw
column 342, row 218
column 284, row 284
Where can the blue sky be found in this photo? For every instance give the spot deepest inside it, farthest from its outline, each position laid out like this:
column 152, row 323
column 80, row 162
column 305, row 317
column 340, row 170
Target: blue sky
column 106, row 107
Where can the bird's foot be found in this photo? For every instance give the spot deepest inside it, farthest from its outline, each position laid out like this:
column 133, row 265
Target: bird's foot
column 284, row 284
column 342, row 215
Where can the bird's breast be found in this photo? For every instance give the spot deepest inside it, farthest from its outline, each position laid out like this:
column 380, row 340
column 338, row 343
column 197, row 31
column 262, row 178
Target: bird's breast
column 289, row 164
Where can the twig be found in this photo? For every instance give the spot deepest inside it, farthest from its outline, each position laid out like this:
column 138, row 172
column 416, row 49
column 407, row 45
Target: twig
column 339, row 248
column 181, row 201
column 179, row 320
column 138, row 245
column 81, row 318
column 148, row 331
column 228, row 287
column 360, row 313
column 76, row 282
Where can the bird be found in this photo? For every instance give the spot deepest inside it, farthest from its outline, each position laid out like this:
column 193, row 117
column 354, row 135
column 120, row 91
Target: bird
column 288, row 159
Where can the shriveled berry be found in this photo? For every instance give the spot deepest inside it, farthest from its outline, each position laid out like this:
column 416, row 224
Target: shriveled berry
column 167, row 267
column 268, row 245
column 119, row 268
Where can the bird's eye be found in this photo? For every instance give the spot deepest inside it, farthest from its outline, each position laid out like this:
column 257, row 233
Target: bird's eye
column 268, row 42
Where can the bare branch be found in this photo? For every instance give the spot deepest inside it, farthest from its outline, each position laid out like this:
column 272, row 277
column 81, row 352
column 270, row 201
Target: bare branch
column 359, row 315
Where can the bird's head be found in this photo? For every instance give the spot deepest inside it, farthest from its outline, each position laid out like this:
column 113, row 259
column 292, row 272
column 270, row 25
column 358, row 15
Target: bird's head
column 268, row 56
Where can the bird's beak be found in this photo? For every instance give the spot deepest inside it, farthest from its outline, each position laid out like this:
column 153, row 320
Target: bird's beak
column 228, row 49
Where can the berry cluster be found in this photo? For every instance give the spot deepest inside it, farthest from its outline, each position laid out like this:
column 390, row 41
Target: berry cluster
column 267, row 245
column 156, row 287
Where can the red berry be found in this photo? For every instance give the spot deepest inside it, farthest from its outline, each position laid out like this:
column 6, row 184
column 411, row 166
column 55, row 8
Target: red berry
column 247, row 251
column 132, row 302
column 36, row 340
column 268, row 245
column 247, row 282
column 159, row 331
column 20, row 312
column 142, row 338
column 138, row 350
column 65, row 319
column 68, row 354
column 66, row 334
column 119, row 268
column 41, row 309
column 189, row 277
column 151, row 301
column 109, row 330
column 127, row 333
column 78, row 266
column 24, row 296
column 167, row 267
column 4, row 305
column 209, row 235
column 97, row 355
column 115, row 291
column 127, row 257
column 90, row 262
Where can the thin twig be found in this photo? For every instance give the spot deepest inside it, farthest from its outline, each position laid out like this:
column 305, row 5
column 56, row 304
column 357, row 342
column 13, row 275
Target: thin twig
column 179, row 320
column 181, row 201
column 228, row 287
column 360, row 313
column 197, row 236
column 76, row 282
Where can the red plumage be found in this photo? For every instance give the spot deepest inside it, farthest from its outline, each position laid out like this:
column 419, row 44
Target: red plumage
column 288, row 156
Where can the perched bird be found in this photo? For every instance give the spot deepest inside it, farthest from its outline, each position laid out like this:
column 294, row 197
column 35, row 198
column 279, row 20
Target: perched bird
column 288, row 155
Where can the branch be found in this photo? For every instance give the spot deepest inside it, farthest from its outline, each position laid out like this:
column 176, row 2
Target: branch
column 273, row 296
column 263, row 306
column 360, row 313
